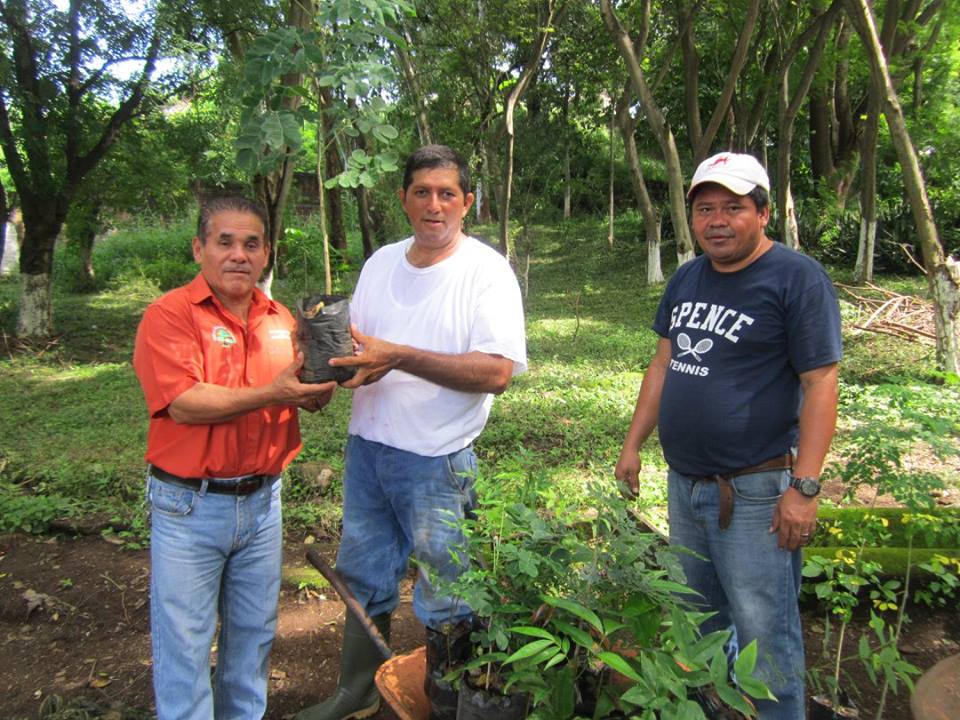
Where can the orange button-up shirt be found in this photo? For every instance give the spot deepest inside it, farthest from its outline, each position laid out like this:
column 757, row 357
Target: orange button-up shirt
column 186, row 337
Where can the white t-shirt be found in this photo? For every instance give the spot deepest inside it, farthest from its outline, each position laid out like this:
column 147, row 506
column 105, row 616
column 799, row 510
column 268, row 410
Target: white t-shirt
column 468, row 302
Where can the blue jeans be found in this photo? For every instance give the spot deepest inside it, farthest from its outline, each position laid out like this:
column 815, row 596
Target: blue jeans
column 210, row 553
column 396, row 503
column 743, row 576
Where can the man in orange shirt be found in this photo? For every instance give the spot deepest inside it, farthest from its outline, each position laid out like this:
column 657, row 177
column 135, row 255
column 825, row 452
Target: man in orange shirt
column 218, row 368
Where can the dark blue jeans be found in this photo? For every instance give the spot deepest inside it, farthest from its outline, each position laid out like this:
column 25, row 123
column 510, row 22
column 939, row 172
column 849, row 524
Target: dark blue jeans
column 396, row 503
column 743, row 576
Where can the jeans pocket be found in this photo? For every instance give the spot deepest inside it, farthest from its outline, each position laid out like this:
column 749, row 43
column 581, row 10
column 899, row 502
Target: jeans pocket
column 169, row 499
column 462, row 470
column 764, row 487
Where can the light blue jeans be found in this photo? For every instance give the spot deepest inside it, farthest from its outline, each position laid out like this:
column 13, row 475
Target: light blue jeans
column 212, row 553
column 396, row 503
column 743, row 576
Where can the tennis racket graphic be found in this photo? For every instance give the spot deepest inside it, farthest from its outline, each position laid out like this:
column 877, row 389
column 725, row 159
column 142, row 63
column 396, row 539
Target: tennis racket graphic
column 683, row 342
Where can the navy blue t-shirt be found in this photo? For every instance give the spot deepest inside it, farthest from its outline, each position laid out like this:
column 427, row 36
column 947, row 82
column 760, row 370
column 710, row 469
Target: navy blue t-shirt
column 739, row 341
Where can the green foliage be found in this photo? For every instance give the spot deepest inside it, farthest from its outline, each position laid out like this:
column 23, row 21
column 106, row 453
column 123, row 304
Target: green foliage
column 160, row 256
column 25, row 512
column 346, row 54
column 562, row 593
column 944, row 589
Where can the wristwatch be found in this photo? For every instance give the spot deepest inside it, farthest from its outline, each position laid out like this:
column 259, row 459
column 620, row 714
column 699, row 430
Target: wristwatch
column 806, row 486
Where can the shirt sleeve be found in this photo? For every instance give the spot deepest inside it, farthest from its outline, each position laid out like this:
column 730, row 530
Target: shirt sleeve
column 813, row 322
column 167, row 357
column 498, row 324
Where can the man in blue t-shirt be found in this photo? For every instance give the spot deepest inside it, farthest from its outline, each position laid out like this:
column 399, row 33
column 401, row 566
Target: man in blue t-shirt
column 743, row 386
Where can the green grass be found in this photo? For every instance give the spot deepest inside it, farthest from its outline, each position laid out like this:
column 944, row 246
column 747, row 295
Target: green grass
column 75, row 424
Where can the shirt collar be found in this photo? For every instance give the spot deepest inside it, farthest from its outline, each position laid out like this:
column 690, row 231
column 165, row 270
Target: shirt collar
column 199, row 291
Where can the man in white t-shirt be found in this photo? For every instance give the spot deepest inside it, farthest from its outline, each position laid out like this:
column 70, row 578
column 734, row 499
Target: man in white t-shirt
column 438, row 319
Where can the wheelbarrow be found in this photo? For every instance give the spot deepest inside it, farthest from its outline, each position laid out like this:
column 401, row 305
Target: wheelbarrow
column 400, row 677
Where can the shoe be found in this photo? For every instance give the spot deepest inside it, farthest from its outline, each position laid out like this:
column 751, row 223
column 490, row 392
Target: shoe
column 356, row 696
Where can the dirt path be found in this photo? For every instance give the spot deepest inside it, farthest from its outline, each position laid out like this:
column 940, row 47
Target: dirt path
column 74, row 624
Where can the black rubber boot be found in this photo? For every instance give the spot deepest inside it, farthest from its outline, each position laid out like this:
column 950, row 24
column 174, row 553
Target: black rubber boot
column 447, row 648
column 356, row 695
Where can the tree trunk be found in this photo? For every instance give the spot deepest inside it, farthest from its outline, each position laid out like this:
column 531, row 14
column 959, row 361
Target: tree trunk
column 788, row 107
column 273, row 189
column 610, row 198
column 868, row 189
column 410, row 76
column 333, row 166
column 651, row 219
column 526, row 77
column 485, row 205
column 4, row 216
column 321, row 201
column 661, row 130
column 35, row 318
column 567, row 180
column 365, row 221
column 821, row 147
column 943, row 272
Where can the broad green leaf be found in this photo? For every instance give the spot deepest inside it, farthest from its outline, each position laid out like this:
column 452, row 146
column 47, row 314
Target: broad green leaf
column 528, row 650
column 620, row 665
column 746, row 660
column 578, row 635
column 573, row 608
column 533, row 632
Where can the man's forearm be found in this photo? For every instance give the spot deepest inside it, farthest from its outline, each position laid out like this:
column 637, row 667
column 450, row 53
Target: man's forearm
column 818, row 419
column 474, row 372
column 208, row 404
column 647, row 411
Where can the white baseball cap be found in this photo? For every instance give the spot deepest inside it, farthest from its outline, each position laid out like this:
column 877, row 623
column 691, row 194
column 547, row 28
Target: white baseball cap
column 737, row 172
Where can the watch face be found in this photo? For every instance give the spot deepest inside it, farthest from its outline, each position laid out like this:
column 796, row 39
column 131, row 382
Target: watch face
column 809, row 487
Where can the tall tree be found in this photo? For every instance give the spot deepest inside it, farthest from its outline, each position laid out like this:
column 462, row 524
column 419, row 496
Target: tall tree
column 658, row 123
column 790, row 100
column 545, row 19
column 53, row 64
column 943, row 271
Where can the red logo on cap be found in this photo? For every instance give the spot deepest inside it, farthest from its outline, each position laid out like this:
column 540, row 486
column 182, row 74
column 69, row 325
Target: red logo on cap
column 722, row 160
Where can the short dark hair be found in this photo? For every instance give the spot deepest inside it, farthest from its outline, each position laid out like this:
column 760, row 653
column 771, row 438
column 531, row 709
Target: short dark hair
column 228, row 203
column 436, row 156
column 760, row 197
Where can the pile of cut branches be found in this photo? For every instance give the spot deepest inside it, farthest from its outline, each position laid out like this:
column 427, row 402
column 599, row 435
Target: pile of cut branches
column 884, row 311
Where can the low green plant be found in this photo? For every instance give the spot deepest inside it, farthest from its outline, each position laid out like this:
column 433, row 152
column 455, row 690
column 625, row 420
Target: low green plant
column 564, row 597
column 28, row 512
column 944, row 589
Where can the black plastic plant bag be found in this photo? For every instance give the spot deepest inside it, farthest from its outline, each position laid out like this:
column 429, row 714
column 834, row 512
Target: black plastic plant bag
column 323, row 332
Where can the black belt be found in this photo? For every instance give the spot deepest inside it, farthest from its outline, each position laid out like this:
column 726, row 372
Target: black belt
column 781, row 462
column 242, row 486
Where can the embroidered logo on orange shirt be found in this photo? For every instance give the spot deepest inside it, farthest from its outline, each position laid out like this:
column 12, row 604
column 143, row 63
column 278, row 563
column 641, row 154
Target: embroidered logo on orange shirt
column 223, row 336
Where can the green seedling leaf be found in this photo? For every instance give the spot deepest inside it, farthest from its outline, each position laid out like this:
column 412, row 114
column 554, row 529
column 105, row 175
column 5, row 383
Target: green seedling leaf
column 529, row 650
column 585, row 614
column 620, row 665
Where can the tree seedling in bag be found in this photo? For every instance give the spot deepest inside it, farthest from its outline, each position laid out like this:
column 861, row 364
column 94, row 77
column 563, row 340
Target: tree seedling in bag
column 323, row 332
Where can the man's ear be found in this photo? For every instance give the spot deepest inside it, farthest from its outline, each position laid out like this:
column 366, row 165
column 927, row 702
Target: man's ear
column 401, row 194
column 467, row 204
column 197, row 248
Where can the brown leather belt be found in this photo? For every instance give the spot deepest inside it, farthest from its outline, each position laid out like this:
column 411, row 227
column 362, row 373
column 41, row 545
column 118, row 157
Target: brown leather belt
column 242, row 486
column 781, row 462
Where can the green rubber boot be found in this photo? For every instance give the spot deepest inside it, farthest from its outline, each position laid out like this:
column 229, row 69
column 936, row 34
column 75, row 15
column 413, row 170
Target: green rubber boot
column 356, row 696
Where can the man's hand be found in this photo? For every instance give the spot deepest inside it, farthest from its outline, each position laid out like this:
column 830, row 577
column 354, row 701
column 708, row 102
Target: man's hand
column 309, row 396
column 795, row 518
column 627, row 472
column 374, row 359
column 208, row 404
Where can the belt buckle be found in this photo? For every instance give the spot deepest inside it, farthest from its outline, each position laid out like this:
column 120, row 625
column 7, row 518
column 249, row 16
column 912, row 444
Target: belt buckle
column 248, row 485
